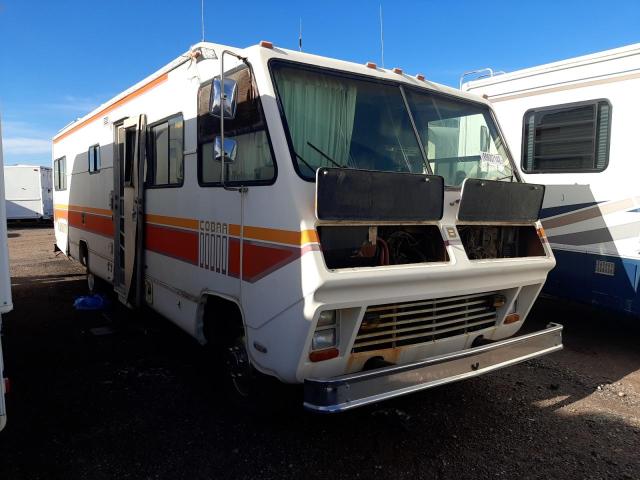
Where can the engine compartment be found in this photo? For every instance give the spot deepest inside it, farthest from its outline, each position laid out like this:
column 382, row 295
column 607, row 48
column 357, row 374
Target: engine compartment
column 356, row 246
column 500, row 241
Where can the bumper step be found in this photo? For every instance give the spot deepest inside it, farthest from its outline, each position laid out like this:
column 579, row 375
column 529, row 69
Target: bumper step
column 357, row 389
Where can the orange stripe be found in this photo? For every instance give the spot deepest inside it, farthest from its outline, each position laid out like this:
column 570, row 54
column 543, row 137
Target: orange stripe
column 60, row 213
column 136, row 93
column 288, row 237
column 78, row 208
column 172, row 221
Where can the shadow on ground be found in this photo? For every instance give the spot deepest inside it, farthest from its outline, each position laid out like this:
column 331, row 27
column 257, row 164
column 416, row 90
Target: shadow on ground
column 138, row 399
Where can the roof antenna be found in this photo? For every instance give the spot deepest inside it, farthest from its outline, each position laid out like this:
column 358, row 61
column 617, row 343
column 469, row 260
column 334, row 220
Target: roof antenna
column 202, row 18
column 300, row 36
column 381, row 37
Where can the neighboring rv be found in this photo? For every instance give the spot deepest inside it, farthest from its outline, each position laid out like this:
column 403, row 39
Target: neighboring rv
column 5, row 286
column 28, row 192
column 341, row 225
column 573, row 123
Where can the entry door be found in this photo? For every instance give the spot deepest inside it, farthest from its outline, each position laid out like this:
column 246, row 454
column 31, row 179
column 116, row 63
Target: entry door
column 129, row 209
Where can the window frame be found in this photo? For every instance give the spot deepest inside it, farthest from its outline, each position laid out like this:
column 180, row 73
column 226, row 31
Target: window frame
column 563, row 106
column 402, row 87
column 99, row 163
column 236, row 183
column 57, row 177
column 150, row 151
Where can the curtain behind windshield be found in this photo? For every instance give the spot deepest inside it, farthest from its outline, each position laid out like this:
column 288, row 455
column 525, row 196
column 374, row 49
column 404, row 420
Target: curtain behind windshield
column 320, row 111
column 339, row 121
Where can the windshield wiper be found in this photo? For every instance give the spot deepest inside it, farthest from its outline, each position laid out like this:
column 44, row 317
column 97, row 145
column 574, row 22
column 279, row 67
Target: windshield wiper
column 304, row 161
column 506, row 176
column 325, row 155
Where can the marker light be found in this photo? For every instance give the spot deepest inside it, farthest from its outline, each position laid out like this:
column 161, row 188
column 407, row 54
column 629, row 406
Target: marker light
column 541, row 233
column 322, row 355
column 397, row 70
column 266, row 44
column 371, row 65
column 511, row 318
column 420, row 77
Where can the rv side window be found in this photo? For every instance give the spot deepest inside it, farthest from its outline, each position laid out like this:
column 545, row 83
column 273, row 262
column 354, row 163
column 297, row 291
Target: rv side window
column 94, row 158
column 60, row 173
column 166, row 153
column 253, row 163
column 567, row 138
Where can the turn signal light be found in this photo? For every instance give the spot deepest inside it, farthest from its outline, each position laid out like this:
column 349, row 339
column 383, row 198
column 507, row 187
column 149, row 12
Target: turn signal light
column 511, row 318
column 266, row 44
column 322, row 355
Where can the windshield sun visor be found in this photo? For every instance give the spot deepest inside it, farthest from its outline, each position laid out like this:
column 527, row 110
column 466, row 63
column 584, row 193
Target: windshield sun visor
column 365, row 195
column 496, row 201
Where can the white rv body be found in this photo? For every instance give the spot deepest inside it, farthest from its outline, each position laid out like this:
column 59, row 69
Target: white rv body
column 591, row 215
column 5, row 287
column 214, row 246
column 28, row 192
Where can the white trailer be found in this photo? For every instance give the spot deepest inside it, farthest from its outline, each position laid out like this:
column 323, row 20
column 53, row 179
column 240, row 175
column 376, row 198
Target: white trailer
column 5, row 287
column 320, row 221
column 29, row 192
column 573, row 124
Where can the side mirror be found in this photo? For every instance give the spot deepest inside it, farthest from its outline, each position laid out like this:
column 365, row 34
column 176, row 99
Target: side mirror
column 230, row 150
column 224, row 103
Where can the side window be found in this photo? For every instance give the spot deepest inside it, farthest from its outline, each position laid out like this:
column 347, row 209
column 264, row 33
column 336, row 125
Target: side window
column 254, row 159
column 60, row 173
column 94, row 158
column 166, row 153
column 567, row 138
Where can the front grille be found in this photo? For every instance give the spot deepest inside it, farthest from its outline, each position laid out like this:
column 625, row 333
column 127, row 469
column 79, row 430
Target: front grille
column 410, row 323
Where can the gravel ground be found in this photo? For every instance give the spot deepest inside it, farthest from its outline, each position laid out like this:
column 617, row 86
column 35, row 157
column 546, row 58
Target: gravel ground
column 126, row 395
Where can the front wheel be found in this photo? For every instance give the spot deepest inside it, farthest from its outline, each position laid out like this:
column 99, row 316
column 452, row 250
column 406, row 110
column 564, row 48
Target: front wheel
column 239, row 369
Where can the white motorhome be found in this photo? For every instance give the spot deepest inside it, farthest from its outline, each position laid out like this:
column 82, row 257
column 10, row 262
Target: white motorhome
column 5, row 287
column 341, row 225
column 28, row 192
column 573, row 124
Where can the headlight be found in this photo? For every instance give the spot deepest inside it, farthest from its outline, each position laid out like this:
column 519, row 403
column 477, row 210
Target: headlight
column 327, row 318
column 326, row 334
column 324, row 339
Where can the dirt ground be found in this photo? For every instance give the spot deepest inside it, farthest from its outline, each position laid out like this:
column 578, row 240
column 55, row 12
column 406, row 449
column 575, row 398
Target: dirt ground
column 125, row 395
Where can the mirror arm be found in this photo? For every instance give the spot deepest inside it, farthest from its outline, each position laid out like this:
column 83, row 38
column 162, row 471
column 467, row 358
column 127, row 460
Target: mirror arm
column 223, row 179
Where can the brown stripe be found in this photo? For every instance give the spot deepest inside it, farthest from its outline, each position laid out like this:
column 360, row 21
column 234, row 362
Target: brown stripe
column 589, row 213
column 599, row 235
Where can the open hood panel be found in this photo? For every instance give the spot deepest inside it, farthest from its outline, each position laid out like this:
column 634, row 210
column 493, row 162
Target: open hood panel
column 364, row 195
column 496, row 201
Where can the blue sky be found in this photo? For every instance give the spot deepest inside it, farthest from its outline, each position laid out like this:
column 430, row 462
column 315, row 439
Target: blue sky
column 59, row 59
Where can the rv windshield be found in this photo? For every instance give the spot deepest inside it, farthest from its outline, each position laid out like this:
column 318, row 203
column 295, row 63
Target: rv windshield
column 460, row 138
column 338, row 120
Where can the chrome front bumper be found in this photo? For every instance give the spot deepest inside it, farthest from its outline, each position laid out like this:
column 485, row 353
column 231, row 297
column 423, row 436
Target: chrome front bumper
column 357, row 389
